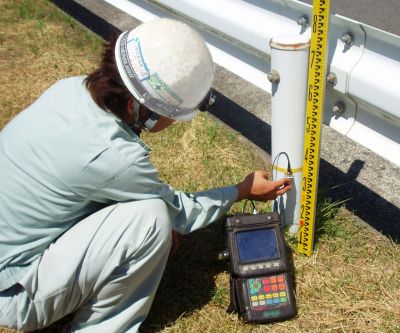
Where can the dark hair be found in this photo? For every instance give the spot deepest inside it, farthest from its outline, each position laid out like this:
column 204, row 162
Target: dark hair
column 105, row 84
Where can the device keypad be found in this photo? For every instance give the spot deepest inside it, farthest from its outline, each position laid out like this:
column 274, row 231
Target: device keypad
column 267, row 291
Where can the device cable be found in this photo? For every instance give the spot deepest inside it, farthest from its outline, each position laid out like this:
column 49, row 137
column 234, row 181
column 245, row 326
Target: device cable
column 274, row 174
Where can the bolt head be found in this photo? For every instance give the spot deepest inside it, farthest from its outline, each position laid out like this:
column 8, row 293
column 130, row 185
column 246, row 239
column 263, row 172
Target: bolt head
column 347, row 38
column 303, row 21
column 273, row 76
column 338, row 108
column 331, row 78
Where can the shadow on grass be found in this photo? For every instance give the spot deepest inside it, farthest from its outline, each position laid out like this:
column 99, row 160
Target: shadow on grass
column 188, row 281
column 326, row 212
column 326, row 220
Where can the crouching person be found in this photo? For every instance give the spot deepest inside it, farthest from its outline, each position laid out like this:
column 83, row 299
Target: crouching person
column 86, row 223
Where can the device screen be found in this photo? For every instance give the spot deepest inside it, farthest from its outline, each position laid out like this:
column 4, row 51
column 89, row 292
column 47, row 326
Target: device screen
column 257, row 245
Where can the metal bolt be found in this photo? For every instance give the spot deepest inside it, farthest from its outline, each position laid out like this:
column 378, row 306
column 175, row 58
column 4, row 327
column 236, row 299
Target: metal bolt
column 331, row 78
column 303, row 21
column 347, row 38
column 273, row 76
column 339, row 108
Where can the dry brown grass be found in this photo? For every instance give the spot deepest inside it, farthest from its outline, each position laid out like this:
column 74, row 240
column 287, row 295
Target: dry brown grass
column 350, row 284
column 38, row 46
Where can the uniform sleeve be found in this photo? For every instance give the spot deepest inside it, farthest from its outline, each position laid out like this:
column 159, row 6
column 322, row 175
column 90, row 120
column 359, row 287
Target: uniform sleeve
column 188, row 211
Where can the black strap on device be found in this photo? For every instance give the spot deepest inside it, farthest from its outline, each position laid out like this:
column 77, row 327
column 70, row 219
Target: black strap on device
column 261, row 283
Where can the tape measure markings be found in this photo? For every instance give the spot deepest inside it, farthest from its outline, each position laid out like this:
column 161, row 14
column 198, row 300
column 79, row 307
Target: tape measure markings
column 312, row 136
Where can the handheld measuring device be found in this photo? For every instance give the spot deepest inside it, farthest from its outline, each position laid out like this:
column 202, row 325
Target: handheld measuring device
column 261, row 284
column 312, row 136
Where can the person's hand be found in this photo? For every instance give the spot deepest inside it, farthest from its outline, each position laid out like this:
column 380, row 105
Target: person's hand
column 256, row 186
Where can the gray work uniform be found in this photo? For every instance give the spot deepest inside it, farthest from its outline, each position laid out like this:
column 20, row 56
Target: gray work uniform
column 85, row 220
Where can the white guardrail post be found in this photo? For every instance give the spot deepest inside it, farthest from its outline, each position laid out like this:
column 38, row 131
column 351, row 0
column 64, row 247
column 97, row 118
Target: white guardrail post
column 289, row 69
column 363, row 94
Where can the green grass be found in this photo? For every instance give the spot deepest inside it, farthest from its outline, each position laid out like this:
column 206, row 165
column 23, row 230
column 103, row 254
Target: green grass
column 350, row 284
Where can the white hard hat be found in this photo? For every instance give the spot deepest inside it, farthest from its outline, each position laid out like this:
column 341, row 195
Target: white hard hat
column 167, row 67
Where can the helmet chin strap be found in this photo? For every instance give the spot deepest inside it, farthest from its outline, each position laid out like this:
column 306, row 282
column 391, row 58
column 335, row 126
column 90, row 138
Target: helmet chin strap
column 138, row 123
column 151, row 121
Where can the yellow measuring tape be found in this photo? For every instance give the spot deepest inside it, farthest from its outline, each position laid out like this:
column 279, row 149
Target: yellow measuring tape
column 314, row 111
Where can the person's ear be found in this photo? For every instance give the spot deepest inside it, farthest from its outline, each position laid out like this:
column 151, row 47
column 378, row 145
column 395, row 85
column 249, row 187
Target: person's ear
column 129, row 106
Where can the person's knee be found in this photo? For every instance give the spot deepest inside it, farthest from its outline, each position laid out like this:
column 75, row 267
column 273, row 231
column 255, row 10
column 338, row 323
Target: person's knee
column 158, row 213
column 149, row 225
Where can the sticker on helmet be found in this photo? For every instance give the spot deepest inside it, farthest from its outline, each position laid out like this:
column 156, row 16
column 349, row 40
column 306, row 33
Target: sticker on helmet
column 136, row 59
column 151, row 81
column 161, row 88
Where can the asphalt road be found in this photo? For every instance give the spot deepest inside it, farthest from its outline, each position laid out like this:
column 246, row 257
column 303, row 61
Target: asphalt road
column 348, row 169
column 381, row 14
